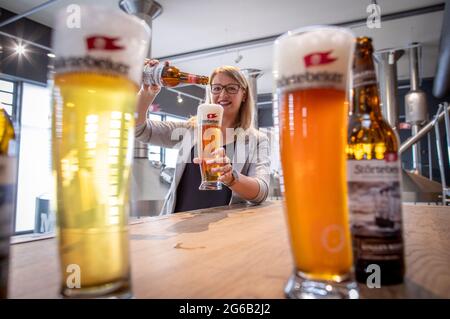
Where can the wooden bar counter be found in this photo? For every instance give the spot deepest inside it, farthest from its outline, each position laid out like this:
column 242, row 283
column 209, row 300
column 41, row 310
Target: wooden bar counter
column 235, row 252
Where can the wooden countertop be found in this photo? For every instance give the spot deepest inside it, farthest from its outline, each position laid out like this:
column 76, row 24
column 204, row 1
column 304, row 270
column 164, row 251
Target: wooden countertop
column 236, row 252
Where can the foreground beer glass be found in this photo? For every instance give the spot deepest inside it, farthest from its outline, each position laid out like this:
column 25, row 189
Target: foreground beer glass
column 209, row 120
column 98, row 69
column 311, row 68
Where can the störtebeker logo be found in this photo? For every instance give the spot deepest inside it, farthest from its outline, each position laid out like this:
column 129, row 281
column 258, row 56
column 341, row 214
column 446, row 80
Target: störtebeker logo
column 211, row 115
column 100, row 42
column 310, row 77
column 318, row 58
column 390, row 157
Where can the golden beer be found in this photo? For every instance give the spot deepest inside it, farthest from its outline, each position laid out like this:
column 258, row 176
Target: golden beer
column 311, row 69
column 209, row 117
column 93, row 128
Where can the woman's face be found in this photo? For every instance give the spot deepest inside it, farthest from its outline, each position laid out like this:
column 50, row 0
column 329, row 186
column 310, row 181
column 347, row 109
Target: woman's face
column 227, row 92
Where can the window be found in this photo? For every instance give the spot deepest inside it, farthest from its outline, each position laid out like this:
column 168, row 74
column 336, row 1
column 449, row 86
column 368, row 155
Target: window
column 7, row 96
column 34, row 176
column 170, row 158
column 168, row 155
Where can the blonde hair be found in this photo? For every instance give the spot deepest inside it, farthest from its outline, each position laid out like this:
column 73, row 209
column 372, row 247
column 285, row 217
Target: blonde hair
column 245, row 115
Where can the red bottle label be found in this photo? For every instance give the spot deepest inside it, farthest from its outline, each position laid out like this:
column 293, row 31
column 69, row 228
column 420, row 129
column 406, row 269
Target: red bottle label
column 192, row 78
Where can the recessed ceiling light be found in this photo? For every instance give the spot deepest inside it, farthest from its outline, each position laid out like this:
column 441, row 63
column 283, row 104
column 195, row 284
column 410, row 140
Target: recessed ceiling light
column 20, row 49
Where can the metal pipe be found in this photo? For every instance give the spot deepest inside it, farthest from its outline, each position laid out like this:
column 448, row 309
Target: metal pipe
column 27, row 13
column 428, row 127
column 252, row 77
column 441, row 83
column 415, row 104
column 447, row 130
column 414, row 66
column 387, row 62
column 430, row 158
column 416, row 156
column 440, row 157
column 148, row 10
column 270, row 39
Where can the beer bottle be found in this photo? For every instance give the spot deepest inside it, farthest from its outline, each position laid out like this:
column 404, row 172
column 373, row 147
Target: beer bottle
column 7, row 187
column 374, row 174
column 168, row 75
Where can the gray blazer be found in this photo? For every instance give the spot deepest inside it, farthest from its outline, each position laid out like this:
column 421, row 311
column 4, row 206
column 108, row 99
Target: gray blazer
column 251, row 160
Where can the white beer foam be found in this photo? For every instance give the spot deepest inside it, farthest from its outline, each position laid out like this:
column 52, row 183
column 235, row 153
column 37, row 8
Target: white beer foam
column 128, row 32
column 204, row 109
column 327, row 42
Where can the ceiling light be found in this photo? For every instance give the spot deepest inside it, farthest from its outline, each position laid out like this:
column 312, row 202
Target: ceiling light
column 179, row 98
column 51, row 55
column 20, row 49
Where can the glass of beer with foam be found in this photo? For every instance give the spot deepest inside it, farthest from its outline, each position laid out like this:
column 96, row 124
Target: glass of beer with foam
column 311, row 69
column 98, row 70
column 209, row 122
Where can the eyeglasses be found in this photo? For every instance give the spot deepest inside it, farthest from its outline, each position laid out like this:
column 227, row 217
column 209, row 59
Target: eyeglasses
column 216, row 89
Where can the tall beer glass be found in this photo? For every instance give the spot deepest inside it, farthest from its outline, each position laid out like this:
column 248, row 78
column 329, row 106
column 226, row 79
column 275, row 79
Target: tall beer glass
column 311, row 68
column 98, row 69
column 209, row 120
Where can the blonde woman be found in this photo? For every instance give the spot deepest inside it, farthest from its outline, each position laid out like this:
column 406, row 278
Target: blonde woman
column 244, row 161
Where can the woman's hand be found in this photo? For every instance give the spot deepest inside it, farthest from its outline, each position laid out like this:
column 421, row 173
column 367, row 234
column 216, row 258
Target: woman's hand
column 150, row 91
column 246, row 187
column 225, row 165
column 146, row 95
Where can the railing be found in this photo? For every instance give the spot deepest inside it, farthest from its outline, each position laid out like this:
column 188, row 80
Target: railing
column 442, row 112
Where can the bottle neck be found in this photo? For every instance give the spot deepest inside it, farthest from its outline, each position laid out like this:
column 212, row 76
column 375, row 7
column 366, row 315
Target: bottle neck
column 192, row 78
column 365, row 96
